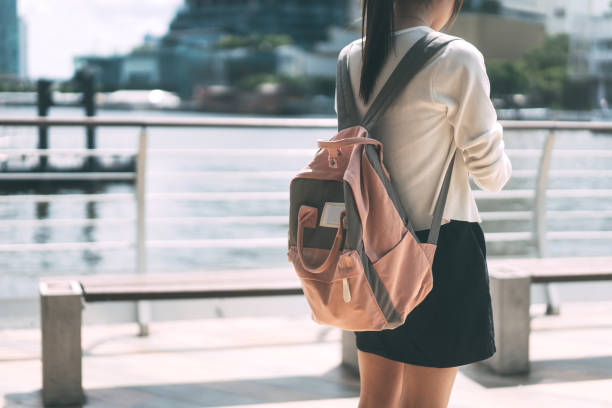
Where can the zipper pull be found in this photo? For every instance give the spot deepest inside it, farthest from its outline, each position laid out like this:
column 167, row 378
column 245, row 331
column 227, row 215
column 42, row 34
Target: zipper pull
column 346, row 292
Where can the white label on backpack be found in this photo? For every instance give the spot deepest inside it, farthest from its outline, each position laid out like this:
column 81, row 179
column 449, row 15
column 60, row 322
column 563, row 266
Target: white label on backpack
column 330, row 217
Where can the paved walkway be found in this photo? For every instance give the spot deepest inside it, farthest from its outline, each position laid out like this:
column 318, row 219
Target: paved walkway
column 283, row 363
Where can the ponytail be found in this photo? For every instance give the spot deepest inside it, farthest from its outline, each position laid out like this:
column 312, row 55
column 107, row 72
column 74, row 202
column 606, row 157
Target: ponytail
column 377, row 24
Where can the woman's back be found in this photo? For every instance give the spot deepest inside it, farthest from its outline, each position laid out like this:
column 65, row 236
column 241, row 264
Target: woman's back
column 444, row 110
column 446, row 105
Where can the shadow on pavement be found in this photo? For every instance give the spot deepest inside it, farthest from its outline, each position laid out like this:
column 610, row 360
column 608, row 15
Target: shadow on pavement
column 545, row 372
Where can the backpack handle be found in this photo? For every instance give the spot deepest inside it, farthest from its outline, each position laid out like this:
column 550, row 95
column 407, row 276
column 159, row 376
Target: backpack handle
column 307, row 217
column 332, row 147
column 325, row 144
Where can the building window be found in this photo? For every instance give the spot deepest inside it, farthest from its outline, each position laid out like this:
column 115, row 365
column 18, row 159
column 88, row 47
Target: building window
column 559, row 13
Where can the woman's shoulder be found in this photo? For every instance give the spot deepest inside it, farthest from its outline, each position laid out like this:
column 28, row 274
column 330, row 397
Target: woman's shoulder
column 348, row 48
column 461, row 51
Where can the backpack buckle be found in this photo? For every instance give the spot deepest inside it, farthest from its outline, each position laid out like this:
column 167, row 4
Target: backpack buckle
column 332, row 156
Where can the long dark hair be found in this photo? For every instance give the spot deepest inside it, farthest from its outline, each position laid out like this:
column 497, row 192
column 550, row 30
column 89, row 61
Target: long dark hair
column 378, row 24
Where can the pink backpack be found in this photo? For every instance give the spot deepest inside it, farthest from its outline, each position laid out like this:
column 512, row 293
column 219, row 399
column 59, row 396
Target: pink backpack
column 360, row 263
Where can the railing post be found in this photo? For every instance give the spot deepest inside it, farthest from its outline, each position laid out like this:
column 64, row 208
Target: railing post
column 44, row 101
column 143, row 307
column 540, row 221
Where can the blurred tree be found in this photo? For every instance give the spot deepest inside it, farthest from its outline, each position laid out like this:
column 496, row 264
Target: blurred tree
column 17, row 85
column 295, row 85
column 254, row 42
column 292, row 85
column 506, row 78
column 323, row 85
column 252, row 63
column 143, row 49
column 547, row 70
column 491, row 6
column 251, row 82
column 577, row 94
column 67, row 86
column 542, row 74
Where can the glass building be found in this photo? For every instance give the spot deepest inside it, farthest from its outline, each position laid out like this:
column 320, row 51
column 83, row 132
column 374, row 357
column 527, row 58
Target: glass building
column 305, row 21
column 9, row 38
column 188, row 54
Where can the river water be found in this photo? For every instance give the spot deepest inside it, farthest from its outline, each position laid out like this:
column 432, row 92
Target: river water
column 20, row 269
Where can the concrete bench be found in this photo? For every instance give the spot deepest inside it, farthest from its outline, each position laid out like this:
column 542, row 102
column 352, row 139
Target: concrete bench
column 510, row 281
column 62, row 300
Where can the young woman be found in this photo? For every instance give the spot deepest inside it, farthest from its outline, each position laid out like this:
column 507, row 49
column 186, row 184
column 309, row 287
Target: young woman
column 445, row 106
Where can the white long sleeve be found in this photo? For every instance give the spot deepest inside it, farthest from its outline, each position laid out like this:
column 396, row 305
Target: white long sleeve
column 445, row 105
column 460, row 83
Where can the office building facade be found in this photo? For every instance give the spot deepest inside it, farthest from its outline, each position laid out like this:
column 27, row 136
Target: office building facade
column 9, row 39
column 306, row 22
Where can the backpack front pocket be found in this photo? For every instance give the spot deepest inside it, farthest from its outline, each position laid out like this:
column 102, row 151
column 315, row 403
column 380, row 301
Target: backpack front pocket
column 406, row 273
column 341, row 295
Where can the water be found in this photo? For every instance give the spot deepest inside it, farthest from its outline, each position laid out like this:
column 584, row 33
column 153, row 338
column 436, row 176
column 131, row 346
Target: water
column 19, row 270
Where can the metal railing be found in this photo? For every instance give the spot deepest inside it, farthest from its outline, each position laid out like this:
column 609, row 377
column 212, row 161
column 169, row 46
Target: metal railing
column 539, row 235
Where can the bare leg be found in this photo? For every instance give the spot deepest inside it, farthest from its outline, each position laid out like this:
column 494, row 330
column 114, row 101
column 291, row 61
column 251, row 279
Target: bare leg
column 381, row 381
column 390, row 384
column 427, row 386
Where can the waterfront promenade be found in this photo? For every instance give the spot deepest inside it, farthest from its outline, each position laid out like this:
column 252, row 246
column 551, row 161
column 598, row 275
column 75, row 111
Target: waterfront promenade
column 226, row 207
column 289, row 361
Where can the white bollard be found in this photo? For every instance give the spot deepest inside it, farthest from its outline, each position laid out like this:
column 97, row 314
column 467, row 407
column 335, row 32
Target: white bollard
column 349, row 351
column 60, row 310
column 510, row 300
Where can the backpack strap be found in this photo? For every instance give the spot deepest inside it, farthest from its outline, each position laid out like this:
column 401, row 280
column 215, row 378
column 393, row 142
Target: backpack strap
column 434, row 230
column 410, row 64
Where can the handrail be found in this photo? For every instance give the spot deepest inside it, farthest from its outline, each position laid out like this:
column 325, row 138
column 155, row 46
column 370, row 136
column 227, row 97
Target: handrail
column 267, row 122
column 228, row 121
column 257, row 152
column 276, row 195
column 257, row 174
column 540, row 193
column 246, row 220
column 273, row 219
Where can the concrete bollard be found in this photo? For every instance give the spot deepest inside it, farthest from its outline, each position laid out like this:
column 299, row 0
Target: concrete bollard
column 60, row 310
column 349, row 351
column 510, row 298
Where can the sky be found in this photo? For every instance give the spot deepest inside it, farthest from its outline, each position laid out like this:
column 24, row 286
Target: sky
column 57, row 30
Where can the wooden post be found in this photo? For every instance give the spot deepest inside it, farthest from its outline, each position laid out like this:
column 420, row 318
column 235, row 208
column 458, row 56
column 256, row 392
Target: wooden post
column 44, row 101
column 89, row 84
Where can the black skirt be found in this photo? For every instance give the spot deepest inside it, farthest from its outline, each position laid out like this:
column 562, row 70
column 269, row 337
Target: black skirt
column 453, row 325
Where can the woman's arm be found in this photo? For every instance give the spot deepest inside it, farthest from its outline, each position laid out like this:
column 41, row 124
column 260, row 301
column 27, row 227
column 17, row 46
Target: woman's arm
column 460, row 85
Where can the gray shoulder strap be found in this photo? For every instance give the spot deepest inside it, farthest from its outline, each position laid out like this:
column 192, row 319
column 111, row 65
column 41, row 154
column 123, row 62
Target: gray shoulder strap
column 434, row 230
column 410, row 64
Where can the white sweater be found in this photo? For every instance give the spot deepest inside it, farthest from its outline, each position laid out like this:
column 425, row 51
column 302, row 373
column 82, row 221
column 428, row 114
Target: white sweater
column 446, row 105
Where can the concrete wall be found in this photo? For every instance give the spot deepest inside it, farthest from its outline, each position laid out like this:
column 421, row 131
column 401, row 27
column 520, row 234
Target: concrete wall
column 499, row 37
